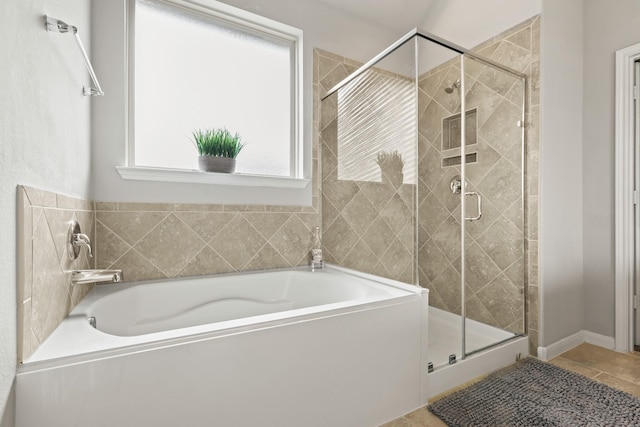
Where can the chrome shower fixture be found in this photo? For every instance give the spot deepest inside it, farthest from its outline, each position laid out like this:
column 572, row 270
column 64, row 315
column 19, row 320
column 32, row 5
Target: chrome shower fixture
column 56, row 25
column 454, row 85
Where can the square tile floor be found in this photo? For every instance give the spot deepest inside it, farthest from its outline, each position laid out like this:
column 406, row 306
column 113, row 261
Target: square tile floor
column 617, row 370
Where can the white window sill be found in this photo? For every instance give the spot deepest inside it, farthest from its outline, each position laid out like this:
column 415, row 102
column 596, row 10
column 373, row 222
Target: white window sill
column 140, row 173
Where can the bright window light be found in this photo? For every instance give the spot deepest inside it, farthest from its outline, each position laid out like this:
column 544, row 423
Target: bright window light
column 195, row 70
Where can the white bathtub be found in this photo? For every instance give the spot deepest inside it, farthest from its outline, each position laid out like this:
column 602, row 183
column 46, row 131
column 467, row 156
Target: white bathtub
column 278, row 348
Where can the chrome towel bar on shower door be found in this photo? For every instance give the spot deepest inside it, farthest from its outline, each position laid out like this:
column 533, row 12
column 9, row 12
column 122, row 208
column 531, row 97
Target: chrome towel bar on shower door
column 53, row 24
column 478, row 206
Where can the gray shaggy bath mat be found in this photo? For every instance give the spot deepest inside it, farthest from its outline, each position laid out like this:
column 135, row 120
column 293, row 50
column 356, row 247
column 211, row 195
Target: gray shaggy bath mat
column 534, row 393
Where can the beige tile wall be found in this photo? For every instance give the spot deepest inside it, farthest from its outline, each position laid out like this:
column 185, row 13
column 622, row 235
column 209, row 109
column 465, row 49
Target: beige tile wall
column 174, row 240
column 45, row 293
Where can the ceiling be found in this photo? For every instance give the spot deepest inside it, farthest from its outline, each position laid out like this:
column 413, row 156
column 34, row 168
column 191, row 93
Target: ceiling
column 397, row 15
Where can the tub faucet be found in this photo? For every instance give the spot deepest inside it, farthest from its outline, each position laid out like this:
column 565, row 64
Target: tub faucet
column 76, row 240
column 82, row 240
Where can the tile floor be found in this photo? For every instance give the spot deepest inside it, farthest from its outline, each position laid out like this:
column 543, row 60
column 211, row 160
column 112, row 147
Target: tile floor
column 618, row 370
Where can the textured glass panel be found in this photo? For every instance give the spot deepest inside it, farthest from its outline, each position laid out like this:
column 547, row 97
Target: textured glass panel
column 377, row 117
column 193, row 73
column 369, row 205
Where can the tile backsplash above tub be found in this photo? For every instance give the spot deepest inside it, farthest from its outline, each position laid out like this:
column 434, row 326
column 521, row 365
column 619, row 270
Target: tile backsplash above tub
column 150, row 241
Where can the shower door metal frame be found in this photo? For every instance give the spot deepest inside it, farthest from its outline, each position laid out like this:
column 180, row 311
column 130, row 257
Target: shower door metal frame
column 417, row 32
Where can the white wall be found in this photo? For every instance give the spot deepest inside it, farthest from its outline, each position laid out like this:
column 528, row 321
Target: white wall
column 323, row 27
column 561, row 216
column 469, row 23
column 44, row 134
column 609, row 26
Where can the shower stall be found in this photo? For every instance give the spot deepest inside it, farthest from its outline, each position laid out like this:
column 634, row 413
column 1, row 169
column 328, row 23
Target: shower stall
column 423, row 169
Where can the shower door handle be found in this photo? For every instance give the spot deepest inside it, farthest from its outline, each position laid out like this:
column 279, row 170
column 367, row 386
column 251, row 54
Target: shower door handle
column 478, row 205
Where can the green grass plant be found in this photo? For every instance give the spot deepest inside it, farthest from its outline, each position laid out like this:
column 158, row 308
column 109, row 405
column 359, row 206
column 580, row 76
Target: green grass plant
column 217, row 142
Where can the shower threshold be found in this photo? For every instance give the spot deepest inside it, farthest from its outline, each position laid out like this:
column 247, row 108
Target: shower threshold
column 488, row 349
column 445, row 336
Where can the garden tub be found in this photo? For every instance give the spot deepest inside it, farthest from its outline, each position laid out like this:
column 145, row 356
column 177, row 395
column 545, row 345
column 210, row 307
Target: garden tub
column 274, row 348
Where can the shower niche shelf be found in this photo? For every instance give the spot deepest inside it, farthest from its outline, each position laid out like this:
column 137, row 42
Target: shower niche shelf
column 451, row 129
column 456, row 160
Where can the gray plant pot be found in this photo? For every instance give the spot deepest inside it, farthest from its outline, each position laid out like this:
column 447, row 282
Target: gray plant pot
column 216, row 164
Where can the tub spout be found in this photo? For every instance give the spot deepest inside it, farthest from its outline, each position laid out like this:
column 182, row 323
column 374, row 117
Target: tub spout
column 79, row 277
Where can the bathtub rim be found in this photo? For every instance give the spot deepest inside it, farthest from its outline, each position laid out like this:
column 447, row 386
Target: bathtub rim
column 107, row 288
column 245, row 325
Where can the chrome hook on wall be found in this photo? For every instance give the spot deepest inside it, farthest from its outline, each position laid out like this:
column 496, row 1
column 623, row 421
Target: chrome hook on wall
column 56, row 25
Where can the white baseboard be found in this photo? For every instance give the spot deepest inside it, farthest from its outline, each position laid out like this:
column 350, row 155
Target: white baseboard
column 600, row 340
column 559, row 347
column 566, row 344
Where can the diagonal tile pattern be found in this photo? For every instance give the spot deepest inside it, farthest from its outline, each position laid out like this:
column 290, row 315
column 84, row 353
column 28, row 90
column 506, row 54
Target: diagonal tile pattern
column 45, row 293
column 192, row 240
column 170, row 245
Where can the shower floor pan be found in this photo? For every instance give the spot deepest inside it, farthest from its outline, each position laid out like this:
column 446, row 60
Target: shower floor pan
column 445, row 336
column 492, row 349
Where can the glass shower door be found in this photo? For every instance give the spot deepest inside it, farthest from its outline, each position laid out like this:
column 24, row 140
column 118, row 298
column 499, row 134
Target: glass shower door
column 494, row 261
column 439, row 234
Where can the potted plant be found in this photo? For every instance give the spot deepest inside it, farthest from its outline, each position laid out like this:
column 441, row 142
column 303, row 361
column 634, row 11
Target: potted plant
column 218, row 149
column 391, row 165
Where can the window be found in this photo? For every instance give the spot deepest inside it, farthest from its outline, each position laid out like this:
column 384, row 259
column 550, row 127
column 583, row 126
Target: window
column 210, row 65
